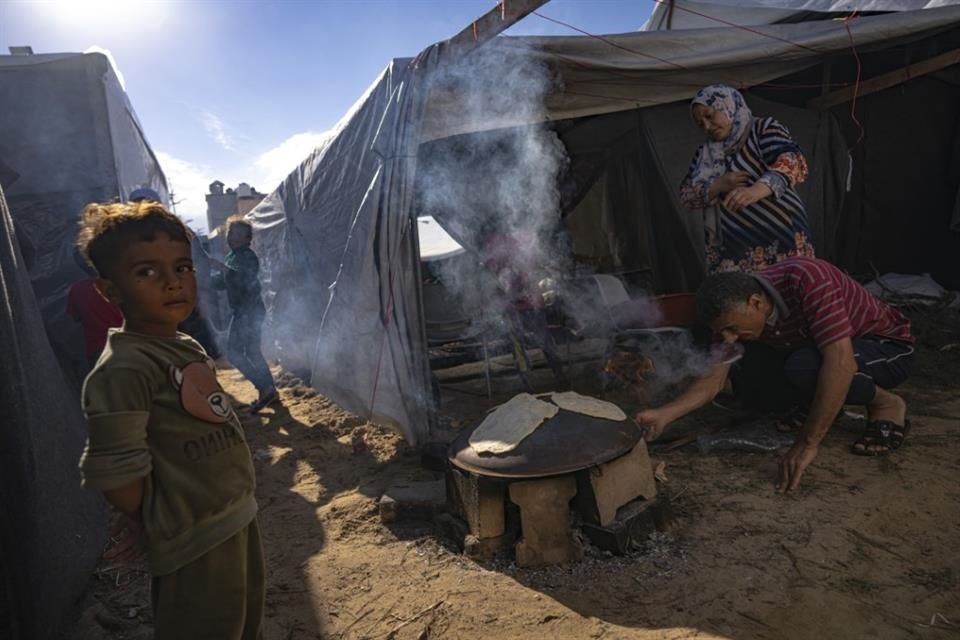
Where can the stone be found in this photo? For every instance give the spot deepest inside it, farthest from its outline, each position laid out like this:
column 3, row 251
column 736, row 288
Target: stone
column 479, row 501
column 605, row 488
column 547, row 537
column 412, row 501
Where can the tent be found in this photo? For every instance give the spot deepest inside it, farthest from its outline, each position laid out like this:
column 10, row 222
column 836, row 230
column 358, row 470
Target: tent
column 68, row 136
column 704, row 14
column 594, row 130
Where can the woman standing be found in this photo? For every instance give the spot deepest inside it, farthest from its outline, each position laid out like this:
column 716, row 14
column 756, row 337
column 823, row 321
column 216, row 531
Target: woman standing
column 744, row 178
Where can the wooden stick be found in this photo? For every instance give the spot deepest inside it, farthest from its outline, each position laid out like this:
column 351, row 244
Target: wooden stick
column 488, row 26
column 393, row 632
column 886, row 80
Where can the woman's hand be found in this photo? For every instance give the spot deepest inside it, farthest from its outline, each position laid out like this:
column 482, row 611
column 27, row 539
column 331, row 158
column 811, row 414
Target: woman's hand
column 728, row 182
column 745, row 196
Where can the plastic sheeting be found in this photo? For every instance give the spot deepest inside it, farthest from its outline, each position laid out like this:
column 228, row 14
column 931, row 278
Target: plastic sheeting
column 703, row 14
column 52, row 531
column 338, row 237
column 638, row 70
column 68, row 130
column 339, row 250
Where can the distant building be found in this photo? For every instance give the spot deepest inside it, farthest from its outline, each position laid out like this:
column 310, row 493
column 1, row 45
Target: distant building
column 223, row 204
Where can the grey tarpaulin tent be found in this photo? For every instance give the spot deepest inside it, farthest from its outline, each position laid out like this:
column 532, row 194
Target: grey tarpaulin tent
column 68, row 136
column 52, row 531
column 68, row 130
column 704, row 14
column 338, row 236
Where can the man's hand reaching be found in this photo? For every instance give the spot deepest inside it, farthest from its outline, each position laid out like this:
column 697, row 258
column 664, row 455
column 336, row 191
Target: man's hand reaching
column 654, row 421
column 794, row 464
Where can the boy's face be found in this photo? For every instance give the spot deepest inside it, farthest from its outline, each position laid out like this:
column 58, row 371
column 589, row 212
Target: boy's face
column 238, row 236
column 154, row 285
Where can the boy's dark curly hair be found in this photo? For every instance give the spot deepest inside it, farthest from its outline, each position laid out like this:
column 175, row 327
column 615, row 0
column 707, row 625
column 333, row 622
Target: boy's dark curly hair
column 106, row 229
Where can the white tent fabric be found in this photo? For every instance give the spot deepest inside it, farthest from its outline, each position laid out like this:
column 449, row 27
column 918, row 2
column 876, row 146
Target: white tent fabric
column 338, row 237
column 705, row 14
column 435, row 243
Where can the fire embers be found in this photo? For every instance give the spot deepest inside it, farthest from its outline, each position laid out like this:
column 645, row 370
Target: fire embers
column 634, row 371
column 632, row 368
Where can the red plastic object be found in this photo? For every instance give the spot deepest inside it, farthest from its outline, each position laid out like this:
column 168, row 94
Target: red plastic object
column 676, row 309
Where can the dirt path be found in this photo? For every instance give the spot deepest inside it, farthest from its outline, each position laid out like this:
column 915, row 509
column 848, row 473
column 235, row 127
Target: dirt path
column 868, row 549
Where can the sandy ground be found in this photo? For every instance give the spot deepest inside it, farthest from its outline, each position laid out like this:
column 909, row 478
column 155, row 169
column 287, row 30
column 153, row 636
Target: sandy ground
column 867, row 549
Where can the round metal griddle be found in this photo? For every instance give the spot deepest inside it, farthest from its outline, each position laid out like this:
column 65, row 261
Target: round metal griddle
column 565, row 443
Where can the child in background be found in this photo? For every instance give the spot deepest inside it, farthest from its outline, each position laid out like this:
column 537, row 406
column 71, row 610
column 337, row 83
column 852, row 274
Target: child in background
column 164, row 446
column 93, row 312
column 240, row 277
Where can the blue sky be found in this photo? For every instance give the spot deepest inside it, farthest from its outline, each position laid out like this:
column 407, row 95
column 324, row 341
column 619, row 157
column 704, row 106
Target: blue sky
column 242, row 90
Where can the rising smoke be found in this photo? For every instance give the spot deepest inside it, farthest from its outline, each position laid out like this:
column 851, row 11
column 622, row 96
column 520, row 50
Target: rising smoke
column 499, row 176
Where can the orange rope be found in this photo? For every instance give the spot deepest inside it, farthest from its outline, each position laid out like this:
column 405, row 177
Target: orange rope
column 609, row 42
column 740, row 26
column 856, row 86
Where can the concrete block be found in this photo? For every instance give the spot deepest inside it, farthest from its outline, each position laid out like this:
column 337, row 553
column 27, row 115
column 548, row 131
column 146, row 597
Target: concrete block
column 633, row 525
column 483, row 549
column 412, row 501
column 451, row 527
column 545, row 521
column 605, row 488
column 479, row 501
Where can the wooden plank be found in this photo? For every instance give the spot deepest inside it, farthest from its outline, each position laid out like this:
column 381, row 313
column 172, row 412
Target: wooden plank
column 887, row 80
column 500, row 18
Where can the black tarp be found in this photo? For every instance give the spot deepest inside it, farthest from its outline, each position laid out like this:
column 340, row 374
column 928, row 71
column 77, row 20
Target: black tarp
column 68, row 136
column 51, row 530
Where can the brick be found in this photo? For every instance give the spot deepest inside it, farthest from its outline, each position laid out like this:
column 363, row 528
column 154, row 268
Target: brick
column 451, row 527
column 412, row 501
column 479, row 501
column 605, row 488
column 545, row 521
column 484, row 549
column 634, row 523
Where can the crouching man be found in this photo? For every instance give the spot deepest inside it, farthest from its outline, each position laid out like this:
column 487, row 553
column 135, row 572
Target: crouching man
column 815, row 338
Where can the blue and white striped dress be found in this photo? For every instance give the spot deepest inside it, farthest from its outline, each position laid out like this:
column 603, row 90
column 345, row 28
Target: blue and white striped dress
column 769, row 230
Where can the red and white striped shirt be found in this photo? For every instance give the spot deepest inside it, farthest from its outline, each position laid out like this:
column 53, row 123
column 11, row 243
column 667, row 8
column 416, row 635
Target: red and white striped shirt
column 816, row 301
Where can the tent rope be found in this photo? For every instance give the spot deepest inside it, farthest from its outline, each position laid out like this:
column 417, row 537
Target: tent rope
column 740, row 26
column 856, row 86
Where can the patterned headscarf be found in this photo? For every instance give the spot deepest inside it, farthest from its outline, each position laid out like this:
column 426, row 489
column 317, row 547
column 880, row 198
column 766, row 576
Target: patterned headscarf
column 712, row 161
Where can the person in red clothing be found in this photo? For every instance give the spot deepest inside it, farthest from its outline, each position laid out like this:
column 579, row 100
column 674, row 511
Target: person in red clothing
column 95, row 315
column 816, row 338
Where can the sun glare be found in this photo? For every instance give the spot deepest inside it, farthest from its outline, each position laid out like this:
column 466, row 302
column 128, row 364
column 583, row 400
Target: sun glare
column 108, row 14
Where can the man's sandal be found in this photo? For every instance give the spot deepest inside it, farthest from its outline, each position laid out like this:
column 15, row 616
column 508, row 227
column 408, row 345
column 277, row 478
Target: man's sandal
column 885, row 434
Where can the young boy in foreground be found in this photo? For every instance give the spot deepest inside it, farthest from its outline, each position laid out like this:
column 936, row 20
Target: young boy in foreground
column 165, row 446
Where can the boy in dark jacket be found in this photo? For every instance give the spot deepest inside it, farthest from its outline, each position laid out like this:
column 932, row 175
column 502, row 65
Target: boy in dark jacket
column 240, row 278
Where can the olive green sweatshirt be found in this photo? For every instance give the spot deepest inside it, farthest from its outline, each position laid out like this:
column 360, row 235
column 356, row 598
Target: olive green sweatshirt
column 156, row 411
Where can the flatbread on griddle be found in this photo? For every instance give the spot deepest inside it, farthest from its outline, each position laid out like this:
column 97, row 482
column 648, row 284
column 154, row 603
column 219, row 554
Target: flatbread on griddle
column 506, row 427
column 588, row 406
